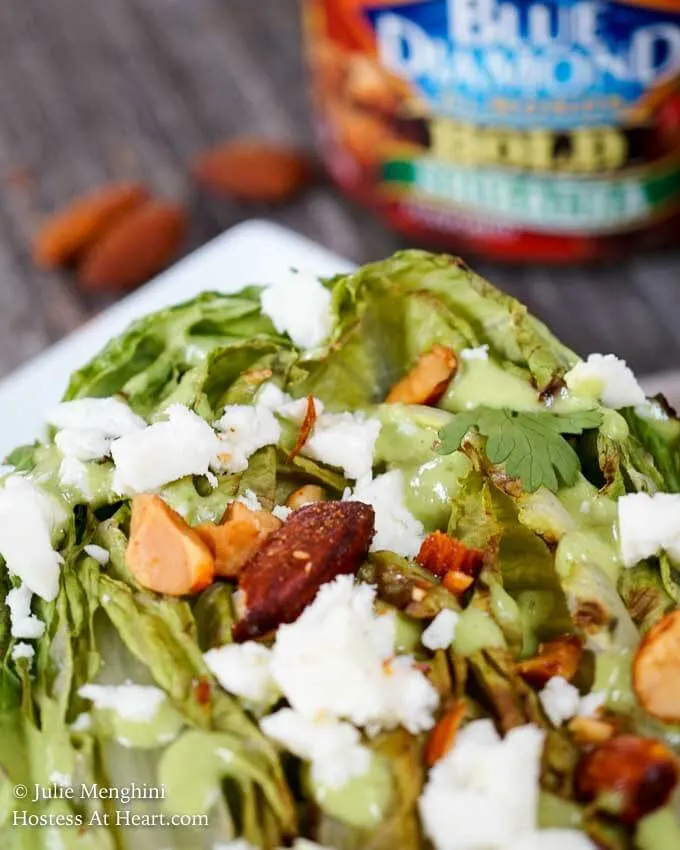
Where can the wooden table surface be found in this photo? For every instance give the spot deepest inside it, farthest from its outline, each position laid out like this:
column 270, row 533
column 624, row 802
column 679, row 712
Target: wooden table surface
column 92, row 90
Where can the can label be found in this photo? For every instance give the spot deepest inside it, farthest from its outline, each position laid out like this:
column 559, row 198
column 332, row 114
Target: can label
column 552, row 116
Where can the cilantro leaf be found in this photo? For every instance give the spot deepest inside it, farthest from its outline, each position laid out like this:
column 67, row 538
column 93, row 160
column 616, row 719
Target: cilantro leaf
column 529, row 445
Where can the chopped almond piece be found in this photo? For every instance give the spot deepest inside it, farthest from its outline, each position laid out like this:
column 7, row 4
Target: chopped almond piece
column 559, row 657
column 441, row 554
column 305, row 429
column 305, row 495
column 629, row 776
column 427, row 380
column 443, row 735
column 656, row 669
column 235, row 541
column 165, row 554
column 457, row 583
column 589, row 730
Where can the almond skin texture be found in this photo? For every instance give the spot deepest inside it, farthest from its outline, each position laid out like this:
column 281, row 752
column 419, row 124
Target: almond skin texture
column 559, row 657
column 136, row 248
column 69, row 233
column 316, row 544
column 254, row 171
column 628, row 776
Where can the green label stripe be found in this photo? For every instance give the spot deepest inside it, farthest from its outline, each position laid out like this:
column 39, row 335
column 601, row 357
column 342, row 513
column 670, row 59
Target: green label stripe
column 546, row 202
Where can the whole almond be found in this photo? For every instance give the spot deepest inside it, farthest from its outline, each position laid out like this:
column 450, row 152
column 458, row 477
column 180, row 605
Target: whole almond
column 254, row 170
column 317, row 543
column 69, row 233
column 135, row 249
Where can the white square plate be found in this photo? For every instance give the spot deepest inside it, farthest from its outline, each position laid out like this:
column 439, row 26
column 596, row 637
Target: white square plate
column 253, row 252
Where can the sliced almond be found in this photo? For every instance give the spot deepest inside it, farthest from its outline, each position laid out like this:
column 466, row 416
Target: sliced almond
column 427, row 380
column 165, row 554
column 656, row 669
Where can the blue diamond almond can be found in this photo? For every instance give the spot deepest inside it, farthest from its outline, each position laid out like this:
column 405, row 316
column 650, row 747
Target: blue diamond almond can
column 526, row 131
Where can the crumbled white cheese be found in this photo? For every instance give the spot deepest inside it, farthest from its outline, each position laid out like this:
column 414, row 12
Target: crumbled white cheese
column 243, row 430
column 87, row 426
column 344, row 440
column 28, row 519
column 74, row 475
column 648, row 525
column 300, row 306
column 22, row 650
column 479, row 353
column 484, row 792
column 109, row 416
column 250, row 500
column 82, row 445
column 183, row 444
column 99, row 553
column 336, row 660
column 333, row 748
column 560, row 700
column 591, row 704
column 441, row 631
column 282, row 512
column 271, row 397
column 138, row 703
column 607, row 377
column 551, row 839
column 396, row 529
column 244, row 670
column 23, row 623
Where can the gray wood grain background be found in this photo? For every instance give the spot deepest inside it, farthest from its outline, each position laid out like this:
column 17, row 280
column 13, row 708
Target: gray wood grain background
column 97, row 89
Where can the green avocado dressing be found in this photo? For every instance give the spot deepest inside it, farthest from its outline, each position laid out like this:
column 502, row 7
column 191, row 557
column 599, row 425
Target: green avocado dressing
column 486, row 383
column 363, row 801
column 164, row 727
column 407, row 631
column 658, row 830
column 477, row 630
column 432, row 486
column 192, row 768
column 593, row 541
column 613, row 676
column 406, row 442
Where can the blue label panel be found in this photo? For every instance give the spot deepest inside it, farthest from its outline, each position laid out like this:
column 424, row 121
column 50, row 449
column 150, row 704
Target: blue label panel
column 558, row 64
